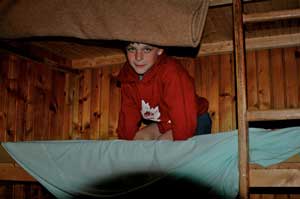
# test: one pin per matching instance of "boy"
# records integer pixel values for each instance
(156, 88)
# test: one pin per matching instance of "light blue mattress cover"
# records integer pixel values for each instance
(68, 168)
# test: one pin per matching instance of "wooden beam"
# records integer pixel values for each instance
(10, 172)
(280, 114)
(219, 2)
(271, 16)
(240, 72)
(62, 56)
(222, 2)
(99, 61)
(275, 41)
(7, 48)
(215, 48)
(274, 178)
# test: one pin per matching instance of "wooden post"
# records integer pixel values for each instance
(239, 50)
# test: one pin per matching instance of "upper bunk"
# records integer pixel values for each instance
(217, 37)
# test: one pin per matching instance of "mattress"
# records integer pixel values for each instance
(207, 160)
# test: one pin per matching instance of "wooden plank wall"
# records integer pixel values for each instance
(39, 103)
(30, 109)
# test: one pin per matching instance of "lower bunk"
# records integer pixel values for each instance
(91, 168)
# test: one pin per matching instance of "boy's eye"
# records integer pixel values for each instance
(147, 49)
(130, 49)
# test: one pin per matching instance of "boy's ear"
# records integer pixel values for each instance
(160, 51)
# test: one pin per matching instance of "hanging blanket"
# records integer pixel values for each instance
(110, 168)
(163, 22)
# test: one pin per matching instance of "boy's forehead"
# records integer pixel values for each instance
(138, 44)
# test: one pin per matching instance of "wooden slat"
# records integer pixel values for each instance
(213, 93)
(18, 191)
(271, 16)
(57, 106)
(76, 124)
(291, 78)
(21, 102)
(202, 76)
(12, 98)
(21, 98)
(222, 2)
(29, 108)
(79, 125)
(10, 172)
(219, 2)
(226, 102)
(275, 41)
(274, 177)
(264, 81)
(115, 102)
(67, 106)
(95, 103)
(279, 114)
(3, 96)
(234, 100)
(277, 78)
(42, 94)
(86, 103)
(104, 104)
(252, 87)
(71, 106)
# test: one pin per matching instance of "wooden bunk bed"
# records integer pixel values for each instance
(283, 174)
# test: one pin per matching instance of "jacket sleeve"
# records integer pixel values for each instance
(180, 99)
(129, 116)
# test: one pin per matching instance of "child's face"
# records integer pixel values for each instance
(142, 57)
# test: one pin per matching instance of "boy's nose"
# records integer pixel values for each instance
(139, 55)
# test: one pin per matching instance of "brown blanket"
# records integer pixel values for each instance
(160, 22)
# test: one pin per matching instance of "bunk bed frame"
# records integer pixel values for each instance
(283, 174)
(280, 175)
(10, 170)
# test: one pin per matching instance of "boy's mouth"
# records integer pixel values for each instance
(139, 65)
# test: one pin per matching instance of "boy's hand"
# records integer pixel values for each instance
(166, 136)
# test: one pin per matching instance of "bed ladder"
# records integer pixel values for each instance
(244, 115)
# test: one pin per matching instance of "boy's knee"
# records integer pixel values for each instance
(204, 124)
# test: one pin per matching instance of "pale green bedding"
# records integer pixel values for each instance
(69, 168)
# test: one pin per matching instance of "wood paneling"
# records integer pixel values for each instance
(70, 106)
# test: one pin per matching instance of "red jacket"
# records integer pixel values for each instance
(166, 95)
